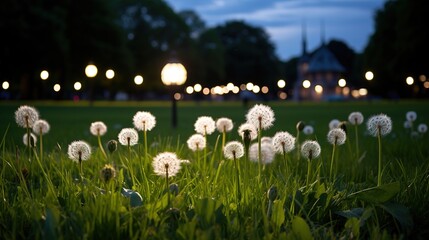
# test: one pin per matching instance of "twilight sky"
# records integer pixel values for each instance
(350, 21)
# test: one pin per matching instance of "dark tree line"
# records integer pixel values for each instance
(132, 37)
(399, 48)
(140, 36)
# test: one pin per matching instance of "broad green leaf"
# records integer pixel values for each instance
(300, 229)
(278, 216)
(353, 224)
(400, 213)
(378, 194)
(320, 190)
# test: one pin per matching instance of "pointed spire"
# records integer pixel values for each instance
(304, 38)
(322, 32)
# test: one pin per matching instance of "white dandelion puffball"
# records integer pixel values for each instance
(144, 121)
(267, 153)
(41, 127)
(411, 116)
(128, 136)
(248, 128)
(26, 116)
(260, 116)
(205, 125)
(379, 123)
(224, 125)
(283, 142)
(337, 136)
(334, 123)
(79, 151)
(233, 150)
(98, 128)
(166, 162)
(310, 149)
(196, 142)
(356, 118)
(33, 140)
(422, 128)
(407, 124)
(308, 130)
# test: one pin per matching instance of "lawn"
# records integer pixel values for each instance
(48, 196)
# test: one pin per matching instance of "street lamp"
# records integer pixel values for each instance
(91, 71)
(173, 74)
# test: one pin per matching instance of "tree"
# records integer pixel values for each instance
(397, 47)
(249, 54)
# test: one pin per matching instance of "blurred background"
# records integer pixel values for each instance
(117, 49)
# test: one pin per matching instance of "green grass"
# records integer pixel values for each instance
(46, 199)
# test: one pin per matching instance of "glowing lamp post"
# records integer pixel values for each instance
(90, 72)
(173, 74)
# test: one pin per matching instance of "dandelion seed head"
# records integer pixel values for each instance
(379, 123)
(107, 173)
(41, 127)
(224, 125)
(411, 116)
(267, 153)
(407, 124)
(422, 128)
(144, 121)
(26, 116)
(233, 149)
(33, 139)
(337, 136)
(196, 142)
(128, 136)
(308, 130)
(98, 128)
(260, 115)
(205, 125)
(310, 149)
(356, 118)
(79, 150)
(334, 123)
(283, 142)
(166, 162)
(247, 129)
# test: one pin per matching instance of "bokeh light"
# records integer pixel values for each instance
(281, 83)
(44, 75)
(138, 80)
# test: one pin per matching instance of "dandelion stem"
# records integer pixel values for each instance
(238, 180)
(167, 187)
(41, 145)
(332, 161)
(308, 171)
(145, 145)
(100, 145)
(379, 157)
(357, 140)
(259, 147)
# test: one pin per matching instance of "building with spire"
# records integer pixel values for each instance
(317, 73)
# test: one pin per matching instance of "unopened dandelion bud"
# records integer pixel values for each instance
(107, 173)
(112, 145)
(300, 126)
(174, 189)
(272, 193)
(343, 125)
